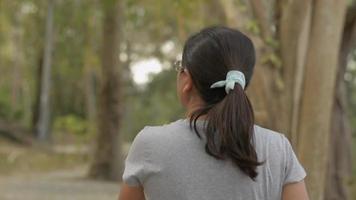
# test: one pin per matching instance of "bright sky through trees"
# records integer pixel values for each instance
(142, 69)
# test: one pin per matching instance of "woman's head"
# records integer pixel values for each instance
(211, 53)
(207, 58)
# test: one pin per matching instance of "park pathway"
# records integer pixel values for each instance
(68, 184)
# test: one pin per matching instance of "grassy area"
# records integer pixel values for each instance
(19, 159)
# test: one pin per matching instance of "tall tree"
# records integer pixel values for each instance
(44, 108)
(339, 165)
(318, 92)
(91, 66)
(107, 162)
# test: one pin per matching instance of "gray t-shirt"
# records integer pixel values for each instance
(170, 162)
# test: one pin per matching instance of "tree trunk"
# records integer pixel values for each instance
(293, 32)
(91, 71)
(339, 165)
(44, 108)
(91, 94)
(318, 92)
(108, 160)
(37, 100)
(17, 63)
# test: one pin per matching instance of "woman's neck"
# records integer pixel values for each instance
(192, 108)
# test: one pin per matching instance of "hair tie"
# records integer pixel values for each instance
(232, 77)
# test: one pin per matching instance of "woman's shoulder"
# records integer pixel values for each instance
(159, 131)
(266, 132)
(161, 134)
(269, 138)
(276, 150)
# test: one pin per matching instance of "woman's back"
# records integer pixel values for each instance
(171, 162)
(235, 159)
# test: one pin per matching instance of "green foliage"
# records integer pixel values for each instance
(71, 124)
(252, 26)
(273, 59)
(272, 42)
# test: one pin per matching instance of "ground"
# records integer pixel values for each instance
(68, 184)
(26, 173)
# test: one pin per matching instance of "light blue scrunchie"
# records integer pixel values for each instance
(232, 77)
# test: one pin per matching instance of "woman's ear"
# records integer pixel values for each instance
(184, 87)
(187, 82)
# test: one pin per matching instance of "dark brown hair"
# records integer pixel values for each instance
(208, 56)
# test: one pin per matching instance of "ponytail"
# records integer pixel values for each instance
(230, 131)
(209, 56)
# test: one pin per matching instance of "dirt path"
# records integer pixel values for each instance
(59, 185)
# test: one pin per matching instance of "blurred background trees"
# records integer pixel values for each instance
(107, 159)
(77, 72)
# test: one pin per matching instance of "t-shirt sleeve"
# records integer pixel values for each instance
(293, 170)
(135, 163)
